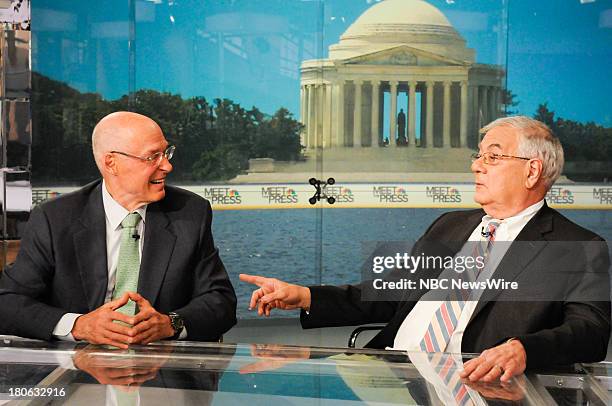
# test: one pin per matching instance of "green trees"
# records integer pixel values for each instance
(214, 140)
(587, 147)
(581, 142)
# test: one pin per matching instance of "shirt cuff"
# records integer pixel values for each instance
(63, 328)
(183, 334)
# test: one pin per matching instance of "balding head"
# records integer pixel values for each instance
(123, 145)
(116, 131)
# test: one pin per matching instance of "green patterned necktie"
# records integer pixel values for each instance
(128, 265)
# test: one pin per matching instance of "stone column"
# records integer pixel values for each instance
(484, 103)
(302, 113)
(393, 113)
(429, 139)
(375, 114)
(311, 117)
(357, 114)
(305, 117)
(498, 97)
(475, 114)
(327, 130)
(491, 103)
(446, 129)
(412, 113)
(463, 129)
(320, 114)
(339, 136)
(302, 93)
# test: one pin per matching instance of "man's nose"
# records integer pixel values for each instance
(165, 164)
(478, 165)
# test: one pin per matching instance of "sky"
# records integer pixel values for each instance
(555, 51)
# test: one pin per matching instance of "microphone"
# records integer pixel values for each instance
(136, 236)
(484, 233)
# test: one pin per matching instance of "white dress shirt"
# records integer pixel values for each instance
(114, 214)
(414, 326)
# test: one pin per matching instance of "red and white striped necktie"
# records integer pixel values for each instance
(446, 317)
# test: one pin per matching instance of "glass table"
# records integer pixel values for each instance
(38, 372)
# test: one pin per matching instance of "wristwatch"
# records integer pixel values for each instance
(177, 323)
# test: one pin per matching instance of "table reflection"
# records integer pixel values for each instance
(211, 373)
(377, 378)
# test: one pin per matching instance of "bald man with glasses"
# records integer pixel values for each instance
(563, 313)
(123, 260)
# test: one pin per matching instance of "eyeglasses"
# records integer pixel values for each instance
(154, 159)
(490, 158)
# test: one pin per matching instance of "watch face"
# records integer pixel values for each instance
(177, 321)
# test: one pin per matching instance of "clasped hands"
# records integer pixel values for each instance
(124, 372)
(100, 326)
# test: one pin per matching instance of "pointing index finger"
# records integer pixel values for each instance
(252, 279)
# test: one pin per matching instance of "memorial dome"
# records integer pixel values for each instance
(392, 23)
(396, 16)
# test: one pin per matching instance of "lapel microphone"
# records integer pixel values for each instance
(484, 233)
(136, 236)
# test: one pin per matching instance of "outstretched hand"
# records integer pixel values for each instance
(274, 293)
(273, 356)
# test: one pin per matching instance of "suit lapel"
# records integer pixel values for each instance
(90, 247)
(158, 246)
(519, 256)
(463, 229)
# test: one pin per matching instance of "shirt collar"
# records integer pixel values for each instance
(527, 213)
(115, 213)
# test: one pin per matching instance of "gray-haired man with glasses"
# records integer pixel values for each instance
(518, 161)
(123, 260)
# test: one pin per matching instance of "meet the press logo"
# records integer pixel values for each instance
(279, 194)
(390, 194)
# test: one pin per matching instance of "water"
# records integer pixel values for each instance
(285, 243)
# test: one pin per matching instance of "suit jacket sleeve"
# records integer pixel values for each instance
(212, 308)
(583, 334)
(24, 286)
(333, 306)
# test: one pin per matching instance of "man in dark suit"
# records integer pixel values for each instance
(126, 260)
(563, 312)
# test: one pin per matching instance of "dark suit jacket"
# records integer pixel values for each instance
(62, 265)
(560, 331)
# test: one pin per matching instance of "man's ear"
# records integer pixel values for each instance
(110, 164)
(534, 173)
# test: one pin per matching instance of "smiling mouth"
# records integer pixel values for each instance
(158, 181)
